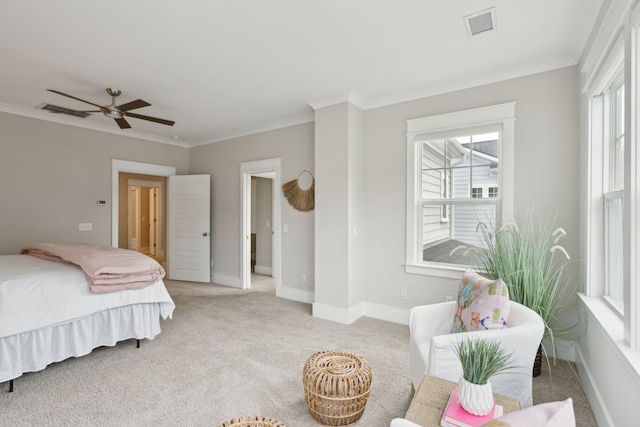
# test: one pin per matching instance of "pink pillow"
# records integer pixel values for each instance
(482, 304)
(551, 414)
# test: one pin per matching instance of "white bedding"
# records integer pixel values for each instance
(48, 314)
(36, 293)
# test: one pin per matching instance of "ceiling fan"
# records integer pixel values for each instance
(119, 112)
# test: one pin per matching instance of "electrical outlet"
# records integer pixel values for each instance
(303, 278)
(403, 294)
(85, 226)
(448, 298)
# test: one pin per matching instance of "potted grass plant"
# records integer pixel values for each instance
(529, 258)
(480, 360)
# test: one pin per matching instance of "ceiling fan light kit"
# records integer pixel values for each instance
(113, 111)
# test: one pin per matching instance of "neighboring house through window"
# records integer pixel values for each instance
(456, 164)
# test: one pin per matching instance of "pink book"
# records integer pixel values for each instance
(456, 415)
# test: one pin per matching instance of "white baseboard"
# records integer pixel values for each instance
(338, 314)
(599, 408)
(300, 295)
(266, 271)
(349, 315)
(387, 313)
(226, 280)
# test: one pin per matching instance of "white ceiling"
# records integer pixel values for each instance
(221, 69)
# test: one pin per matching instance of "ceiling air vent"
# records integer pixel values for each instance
(480, 22)
(62, 110)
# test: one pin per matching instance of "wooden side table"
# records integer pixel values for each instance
(430, 400)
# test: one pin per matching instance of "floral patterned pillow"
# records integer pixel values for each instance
(482, 304)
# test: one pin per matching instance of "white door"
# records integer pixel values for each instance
(134, 218)
(189, 217)
(152, 221)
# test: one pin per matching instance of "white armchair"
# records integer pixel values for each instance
(432, 347)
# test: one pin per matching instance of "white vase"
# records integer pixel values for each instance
(476, 399)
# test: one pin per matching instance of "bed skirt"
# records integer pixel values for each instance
(32, 351)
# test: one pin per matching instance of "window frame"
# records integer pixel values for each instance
(499, 115)
(444, 185)
(623, 56)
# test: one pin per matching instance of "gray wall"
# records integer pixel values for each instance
(264, 225)
(294, 146)
(51, 176)
(546, 173)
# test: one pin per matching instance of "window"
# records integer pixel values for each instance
(612, 270)
(444, 183)
(614, 195)
(456, 163)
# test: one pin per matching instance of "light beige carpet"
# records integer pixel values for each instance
(226, 353)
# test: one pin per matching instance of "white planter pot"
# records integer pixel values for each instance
(475, 398)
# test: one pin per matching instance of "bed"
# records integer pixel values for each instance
(49, 312)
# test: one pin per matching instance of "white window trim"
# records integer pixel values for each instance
(625, 52)
(444, 185)
(631, 188)
(502, 115)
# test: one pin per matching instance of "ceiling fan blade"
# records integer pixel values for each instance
(73, 97)
(123, 123)
(138, 103)
(151, 119)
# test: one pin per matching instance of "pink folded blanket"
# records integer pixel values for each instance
(107, 269)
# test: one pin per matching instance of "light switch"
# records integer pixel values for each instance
(285, 228)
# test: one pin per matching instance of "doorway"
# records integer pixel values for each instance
(262, 233)
(120, 216)
(261, 181)
(142, 210)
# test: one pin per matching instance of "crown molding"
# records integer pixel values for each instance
(604, 38)
(352, 97)
(265, 127)
(445, 86)
(490, 76)
(77, 122)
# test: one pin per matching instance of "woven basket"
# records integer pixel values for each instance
(336, 387)
(537, 363)
(252, 422)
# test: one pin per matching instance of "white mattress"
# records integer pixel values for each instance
(48, 314)
(35, 292)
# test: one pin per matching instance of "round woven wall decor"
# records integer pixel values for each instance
(299, 198)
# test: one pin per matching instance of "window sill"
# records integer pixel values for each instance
(611, 326)
(447, 271)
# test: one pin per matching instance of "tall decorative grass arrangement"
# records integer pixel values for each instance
(481, 359)
(530, 260)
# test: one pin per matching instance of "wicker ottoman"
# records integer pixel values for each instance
(252, 422)
(336, 387)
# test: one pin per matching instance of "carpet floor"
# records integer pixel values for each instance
(228, 353)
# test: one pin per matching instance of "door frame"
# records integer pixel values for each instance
(118, 166)
(247, 170)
